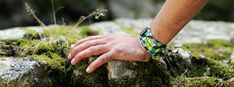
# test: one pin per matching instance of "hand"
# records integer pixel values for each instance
(112, 47)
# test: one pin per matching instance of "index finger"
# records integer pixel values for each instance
(99, 61)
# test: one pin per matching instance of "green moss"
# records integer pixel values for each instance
(57, 31)
(68, 33)
(202, 82)
(130, 31)
(51, 51)
(31, 34)
(81, 78)
(148, 74)
(51, 59)
(86, 31)
(10, 47)
(219, 43)
(206, 60)
(214, 49)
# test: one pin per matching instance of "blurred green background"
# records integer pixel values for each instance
(13, 13)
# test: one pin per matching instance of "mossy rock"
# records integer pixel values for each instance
(51, 48)
(140, 74)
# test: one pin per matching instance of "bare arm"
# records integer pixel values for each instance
(173, 16)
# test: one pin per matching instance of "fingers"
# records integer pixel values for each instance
(88, 38)
(100, 61)
(83, 46)
(94, 50)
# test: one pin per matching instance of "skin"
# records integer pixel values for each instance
(173, 16)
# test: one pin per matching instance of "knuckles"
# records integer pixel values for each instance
(88, 43)
(95, 48)
(104, 59)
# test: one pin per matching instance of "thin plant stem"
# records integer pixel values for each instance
(32, 12)
(54, 13)
(97, 14)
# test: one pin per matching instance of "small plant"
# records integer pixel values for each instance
(32, 12)
(97, 14)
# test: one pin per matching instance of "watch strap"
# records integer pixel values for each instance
(151, 45)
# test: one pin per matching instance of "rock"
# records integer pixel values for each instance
(232, 57)
(8, 33)
(107, 28)
(231, 80)
(195, 31)
(123, 8)
(137, 74)
(205, 31)
(23, 72)
(41, 55)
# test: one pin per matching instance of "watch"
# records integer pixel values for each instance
(151, 45)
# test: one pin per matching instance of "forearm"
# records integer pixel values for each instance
(173, 16)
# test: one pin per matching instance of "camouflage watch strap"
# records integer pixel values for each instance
(152, 46)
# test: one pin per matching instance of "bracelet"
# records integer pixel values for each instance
(151, 45)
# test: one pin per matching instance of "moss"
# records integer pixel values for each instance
(148, 74)
(206, 60)
(52, 49)
(31, 34)
(52, 60)
(130, 31)
(10, 47)
(214, 49)
(57, 31)
(219, 43)
(83, 79)
(202, 82)
(86, 31)
(2, 84)
(68, 33)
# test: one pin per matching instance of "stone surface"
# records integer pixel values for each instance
(22, 72)
(194, 31)
(134, 9)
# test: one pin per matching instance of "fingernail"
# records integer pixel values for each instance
(88, 70)
(73, 62)
(72, 45)
(69, 56)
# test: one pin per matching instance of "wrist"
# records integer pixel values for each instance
(147, 56)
